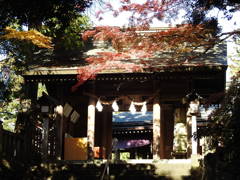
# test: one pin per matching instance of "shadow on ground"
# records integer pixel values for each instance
(82, 171)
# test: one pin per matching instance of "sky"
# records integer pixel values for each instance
(122, 19)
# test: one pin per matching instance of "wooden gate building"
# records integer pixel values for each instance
(74, 128)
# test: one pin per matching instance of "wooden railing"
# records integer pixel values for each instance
(11, 145)
(28, 145)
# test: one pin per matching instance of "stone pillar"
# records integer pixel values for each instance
(91, 127)
(156, 129)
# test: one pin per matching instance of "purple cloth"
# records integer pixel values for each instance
(125, 144)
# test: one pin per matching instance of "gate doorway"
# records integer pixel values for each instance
(133, 133)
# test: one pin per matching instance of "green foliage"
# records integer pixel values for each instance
(33, 13)
(235, 58)
(8, 115)
(224, 132)
(198, 9)
(22, 53)
(10, 104)
(68, 43)
(225, 121)
(59, 20)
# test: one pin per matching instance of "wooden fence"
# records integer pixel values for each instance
(27, 146)
(12, 146)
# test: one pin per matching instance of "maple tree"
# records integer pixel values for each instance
(134, 42)
(139, 42)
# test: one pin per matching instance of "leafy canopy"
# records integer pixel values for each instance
(33, 13)
(32, 35)
(37, 32)
(194, 35)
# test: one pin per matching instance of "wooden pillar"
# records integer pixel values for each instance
(189, 132)
(104, 132)
(156, 129)
(108, 130)
(91, 127)
(192, 113)
(1, 139)
(45, 138)
(30, 131)
(59, 138)
(194, 131)
(167, 131)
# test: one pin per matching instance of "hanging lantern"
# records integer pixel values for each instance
(99, 106)
(144, 108)
(132, 108)
(115, 106)
(44, 104)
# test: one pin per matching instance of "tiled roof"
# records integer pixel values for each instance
(214, 58)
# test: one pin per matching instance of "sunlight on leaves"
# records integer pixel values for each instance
(32, 35)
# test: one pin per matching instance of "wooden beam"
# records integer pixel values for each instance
(90, 95)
